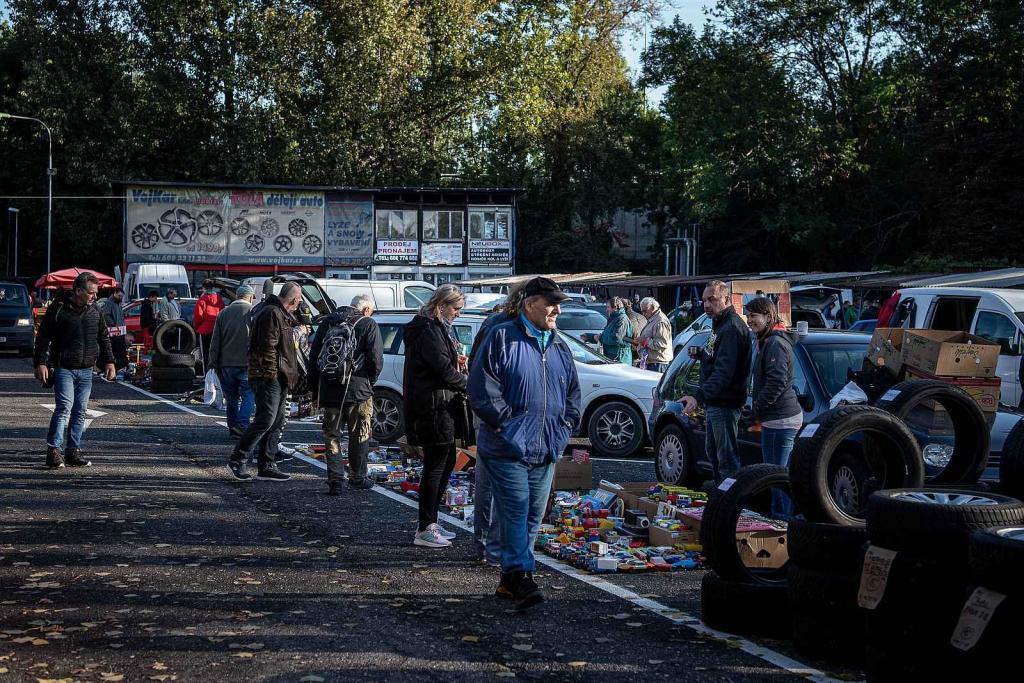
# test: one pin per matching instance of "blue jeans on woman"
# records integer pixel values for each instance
(776, 445)
(520, 494)
(71, 389)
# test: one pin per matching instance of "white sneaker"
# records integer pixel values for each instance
(449, 535)
(431, 538)
(285, 450)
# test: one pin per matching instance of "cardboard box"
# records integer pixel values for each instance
(659, 536)
(650, 507)
(985, 391)
(573, 476)
(886, 349)
(952, 354)
(629, 492)
(777, 290)
(763, 549)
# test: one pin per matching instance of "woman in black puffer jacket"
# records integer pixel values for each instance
(434, 386)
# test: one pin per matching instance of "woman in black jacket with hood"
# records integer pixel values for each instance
(434, 386)
(775, 405)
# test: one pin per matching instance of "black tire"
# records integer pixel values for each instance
(970, 429)
(616, 429)
(165, 386)
(388, 417)
(827, 624)
(165, 338)
(995, 652)
(173, 360)
(1011, 463)
(673, 459)
(891, 457)
(744, 608)
(172, 374)
(826, 547)
(936, 522)
(997, 558)
(718, 526)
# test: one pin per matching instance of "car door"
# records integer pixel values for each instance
(998, 328)
(391, 335)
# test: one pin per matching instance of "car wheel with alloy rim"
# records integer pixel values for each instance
(616, 429)
(672, 461)
(388, 420)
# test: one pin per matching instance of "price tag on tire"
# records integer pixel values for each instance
(875, 576)
(975, 617)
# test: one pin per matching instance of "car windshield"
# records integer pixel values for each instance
(161, 288)
(580, 353)
(833, 361)
(13, 295)
(580, 319)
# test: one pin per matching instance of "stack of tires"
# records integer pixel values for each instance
(1011, 466)
(734, 597)
(915, 575)
(839, 459)
(172, 370)
(988, 633)
(824, 578)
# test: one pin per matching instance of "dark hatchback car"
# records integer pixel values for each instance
(16, 325)
(824, 361)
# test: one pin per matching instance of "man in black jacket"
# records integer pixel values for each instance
(351, 404)
(273, 369)
(72, 340)
(724, 373)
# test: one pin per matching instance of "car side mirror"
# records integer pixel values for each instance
(806, 402)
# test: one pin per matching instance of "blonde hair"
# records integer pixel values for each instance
(515, 299)
(445, 295)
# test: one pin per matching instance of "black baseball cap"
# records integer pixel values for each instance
(546, 288)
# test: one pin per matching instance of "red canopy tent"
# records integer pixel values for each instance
(65, 278)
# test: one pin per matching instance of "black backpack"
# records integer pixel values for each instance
(337, 359)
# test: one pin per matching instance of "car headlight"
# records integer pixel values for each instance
(937, 455)
(24, 322)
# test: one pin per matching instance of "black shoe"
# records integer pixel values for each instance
(74, 459)
(271, 473)
(238, 470)
(527, 592)
(508, 586)
(236, 432)
(361, 484)
(332, 488)
(54, 459)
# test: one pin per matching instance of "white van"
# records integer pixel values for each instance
(995, 314)
(142, 278)
(387, 294)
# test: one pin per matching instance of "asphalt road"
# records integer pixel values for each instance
(154, 565)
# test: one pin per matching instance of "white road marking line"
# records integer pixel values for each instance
(89, 413)
(676, 616)
(164, 400)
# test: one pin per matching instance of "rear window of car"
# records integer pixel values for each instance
(580, 319)
(833, 361)
(417, 296)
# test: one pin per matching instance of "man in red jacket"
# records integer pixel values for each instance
(204, 317)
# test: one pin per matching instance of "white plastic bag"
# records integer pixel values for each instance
(212, 392)
(851, 394)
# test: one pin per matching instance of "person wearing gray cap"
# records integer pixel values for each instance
(229, 356)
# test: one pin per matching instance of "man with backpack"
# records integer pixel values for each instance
(347, 356)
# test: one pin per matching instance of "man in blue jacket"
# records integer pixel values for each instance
(523, 387)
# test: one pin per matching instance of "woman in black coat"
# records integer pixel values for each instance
(434, 386)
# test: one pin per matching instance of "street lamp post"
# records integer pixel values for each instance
(49, 178)
(14, 212)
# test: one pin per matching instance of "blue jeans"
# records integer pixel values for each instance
(720, 441)
(71, 389)
(776, 445)
(520, 495)
(486, 533)
(241, 401)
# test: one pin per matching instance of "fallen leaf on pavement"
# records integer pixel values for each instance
(159, 666)
(525, 647)
(110, 676)
(40, 641)
(577, 664)
(243, 655)
(621, 615)
(470, 639)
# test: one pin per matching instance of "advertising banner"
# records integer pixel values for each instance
(349, 233)
(397, 251)
(260, 227)
(490, 251)
(442, 254)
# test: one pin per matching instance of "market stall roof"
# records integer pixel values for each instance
(888, 282)
(66, 277)
(1001, 278)
(832, 279)
(685, 280)
(560, 278)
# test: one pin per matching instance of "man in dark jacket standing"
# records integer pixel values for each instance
(273, 369)
(351, 404)
(72, 340)
(523, 386)
(229, 357)
(147, 317)
(724, 372)
(113, 317)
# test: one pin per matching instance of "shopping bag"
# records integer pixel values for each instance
(211, 388)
